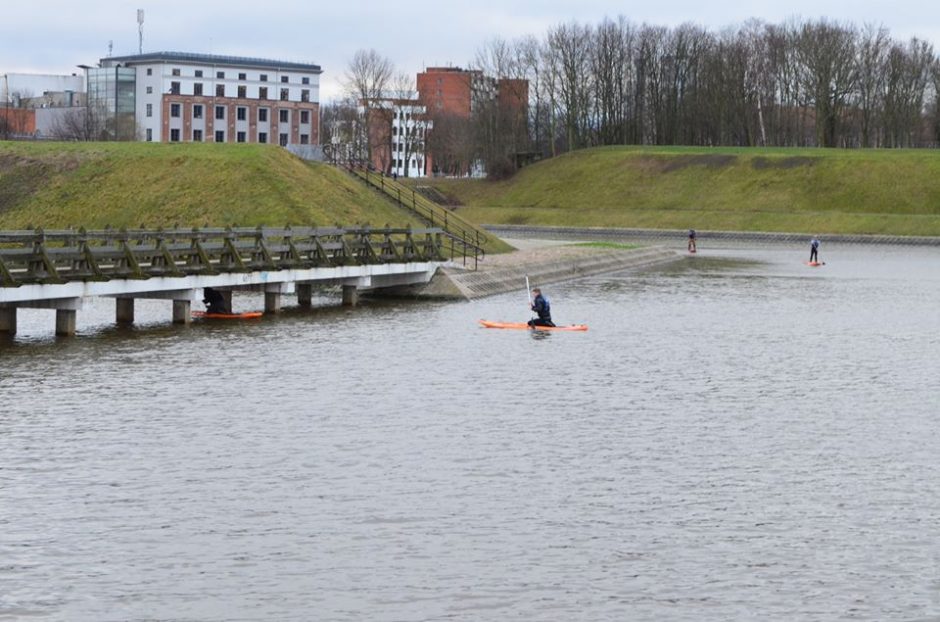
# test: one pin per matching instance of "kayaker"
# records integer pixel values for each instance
(814, 251)
(691, 240)
(542, 308)
(214, 301)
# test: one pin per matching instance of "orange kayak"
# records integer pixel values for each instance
(523, 325)
(249, 315)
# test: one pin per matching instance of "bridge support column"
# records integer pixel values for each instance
(350, 296)
(65, 321)
(124, 310)
(182, 311)
(304, 295)
(8, 320)
(272, 302)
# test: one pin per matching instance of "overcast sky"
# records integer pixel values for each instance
(53, 36)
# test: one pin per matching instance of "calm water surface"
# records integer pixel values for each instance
(737, 437)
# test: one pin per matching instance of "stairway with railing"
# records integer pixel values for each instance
(465, 240)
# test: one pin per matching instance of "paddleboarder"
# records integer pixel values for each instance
(214, 301)
(691, 240)
(814, 251)
(542, 308)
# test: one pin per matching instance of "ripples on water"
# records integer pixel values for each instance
(730, 440)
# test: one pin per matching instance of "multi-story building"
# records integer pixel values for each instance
(452, 95)
(182, 97)
(398, 128)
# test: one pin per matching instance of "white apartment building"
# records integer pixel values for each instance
(183, 97)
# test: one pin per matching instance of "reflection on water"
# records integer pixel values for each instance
(736, 437)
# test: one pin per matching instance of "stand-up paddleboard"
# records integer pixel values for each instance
(691, 251)
(248, 315)
(525, 326)
(815, 264)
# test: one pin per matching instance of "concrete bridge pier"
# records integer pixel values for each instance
(182, 311)
(273, 293)
(66, 313)
(304, 295)
(8, 320)
(350, 296)
(124, 310)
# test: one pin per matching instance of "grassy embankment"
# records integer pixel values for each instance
(794, 190)
(92, 185)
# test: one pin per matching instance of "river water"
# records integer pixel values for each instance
(737, 437)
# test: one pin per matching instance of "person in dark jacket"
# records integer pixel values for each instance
(814, 250)
(542, 308)
(214, 301)
(691, 240)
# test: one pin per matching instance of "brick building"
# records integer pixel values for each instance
(182, 97)
(458, 93)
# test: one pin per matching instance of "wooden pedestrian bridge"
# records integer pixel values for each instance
(48, 269)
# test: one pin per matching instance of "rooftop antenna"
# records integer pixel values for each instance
(140, 31)
(110, 47)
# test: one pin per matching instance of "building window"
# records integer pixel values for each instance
(175, 72)
(149, 71)
(174, 88)
(243, 91)
(305, 117)
(149, 110)
(197, 111)
(240, 137)
(263, 115)
(220, 136)
(197, 88)
(285, 79)
(220, 75)
(305, 95)
(304, 139)
(220, 112)
(174, 110)
(149, 90)
(305, 80)
(395, 131)
(285, 93)
(197, 136)
(199, 73)
(284, 115)
(262, 137)
(283, 140)
(263, 92)
(149, 135)
(241, 113)
(174, 136)
(220, 90)
(242, 76)
(263, 77)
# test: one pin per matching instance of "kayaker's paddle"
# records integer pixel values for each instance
(528, 296)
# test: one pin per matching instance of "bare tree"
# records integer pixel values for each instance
(368, 78)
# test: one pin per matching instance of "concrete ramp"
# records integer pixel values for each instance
(504, 273)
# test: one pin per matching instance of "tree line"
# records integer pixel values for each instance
(799, 83)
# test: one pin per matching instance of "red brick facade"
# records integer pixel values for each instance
(232, 105)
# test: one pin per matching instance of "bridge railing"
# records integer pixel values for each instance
(466, 239)
(59, 256)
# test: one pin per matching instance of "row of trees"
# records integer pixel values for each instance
(800, 83)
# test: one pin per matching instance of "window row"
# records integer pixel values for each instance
(241, 113)
(242, 92)
(220, 75)
(240, 137)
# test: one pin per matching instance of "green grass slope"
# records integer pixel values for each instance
(799, 190)
(56, 185)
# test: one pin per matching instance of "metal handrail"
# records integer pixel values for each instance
(457, 229)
